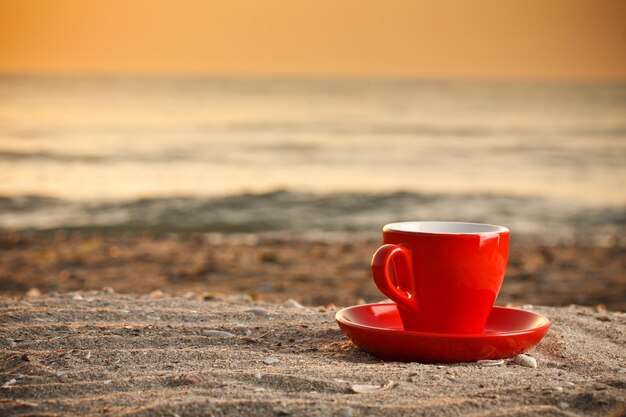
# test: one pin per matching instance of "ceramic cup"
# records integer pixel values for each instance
(443, 276)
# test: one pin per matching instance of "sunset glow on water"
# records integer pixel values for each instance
(121, 138)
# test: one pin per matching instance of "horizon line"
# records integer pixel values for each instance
(310, 76)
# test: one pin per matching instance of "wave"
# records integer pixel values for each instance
(42, 155)
(166, 156)
(419, 129)
(301, 214)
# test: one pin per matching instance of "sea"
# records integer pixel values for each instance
(311, 157)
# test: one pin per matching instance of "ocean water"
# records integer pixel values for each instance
(282, 155)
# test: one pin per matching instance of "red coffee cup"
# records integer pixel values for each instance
(443, 276)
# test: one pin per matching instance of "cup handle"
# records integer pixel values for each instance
(400, 292)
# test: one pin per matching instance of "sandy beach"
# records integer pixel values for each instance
(99, 353)
(217, 329)
(312, 272)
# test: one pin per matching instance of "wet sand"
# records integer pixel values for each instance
(99, 353)
(311, 272)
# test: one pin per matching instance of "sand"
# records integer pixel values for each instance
(312, 272)
(100, 353)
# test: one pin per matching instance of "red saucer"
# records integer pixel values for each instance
(377, 329)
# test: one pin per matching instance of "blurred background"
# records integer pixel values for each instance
(259, 147)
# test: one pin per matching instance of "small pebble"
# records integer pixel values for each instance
(365, 389)
(33, 293)
(487, 362)
(77, 297)
(156, 294)
(527, 306)
(361, 389)
(108, 290)
(61, 373)
(293, 303)
(107, 382)
(218, 334)
(257, 375)
(525, 360)
(270, 361)
(563, 404)
(257, 312)
(9, 383)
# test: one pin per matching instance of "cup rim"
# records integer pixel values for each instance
(445, 228)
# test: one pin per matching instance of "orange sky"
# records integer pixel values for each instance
(432, 38)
